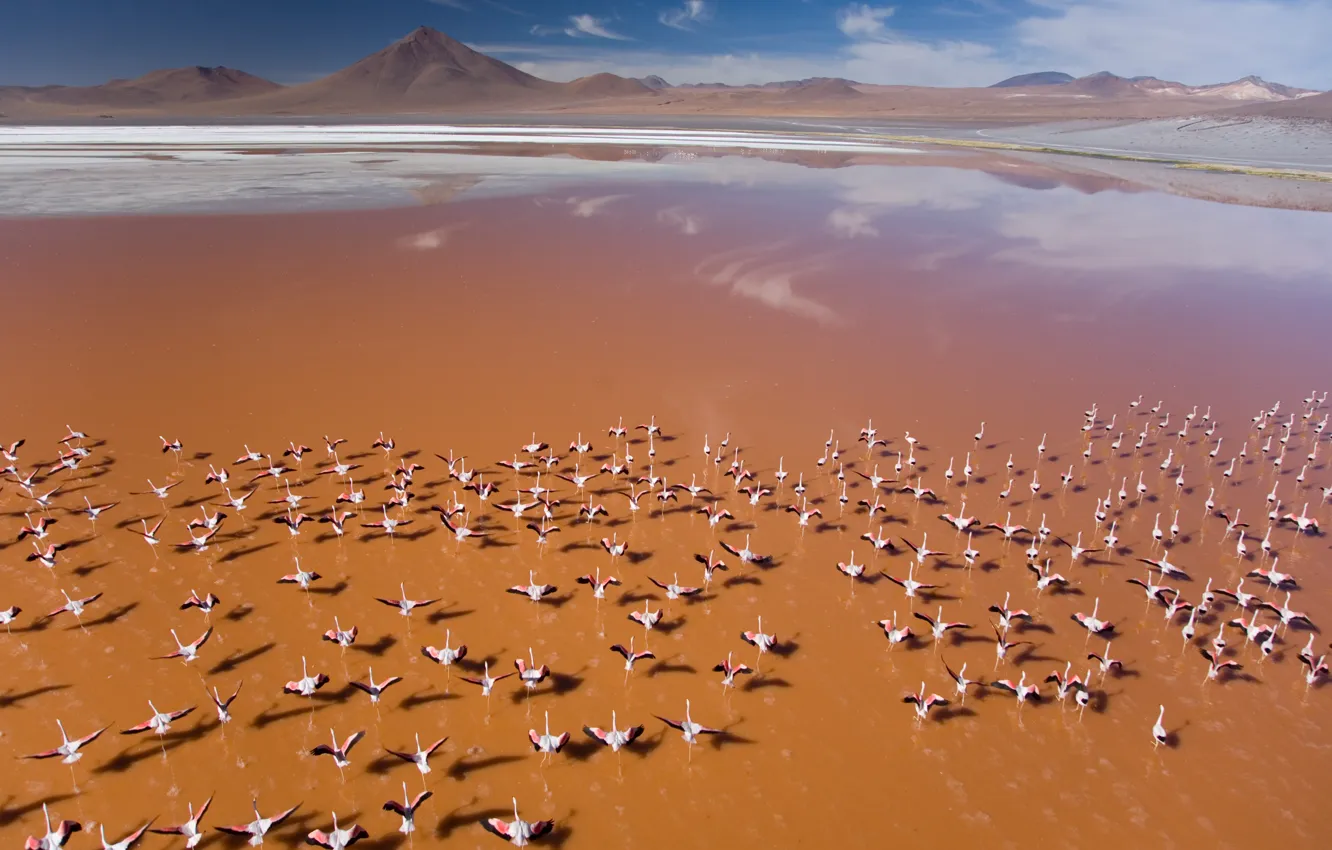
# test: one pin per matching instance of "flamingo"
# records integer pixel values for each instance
(260, 826)
(547, 744)
(518, 832)
(688, 728)
(421, 758)
(190, 829)
(52, 839)
(407, 808)
(924, 702)
(339, 839)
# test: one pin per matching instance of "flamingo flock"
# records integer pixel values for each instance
(488, 508)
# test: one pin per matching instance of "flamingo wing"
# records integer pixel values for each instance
(498, 827)
(595, 732)
(142, 727)
(541, 827)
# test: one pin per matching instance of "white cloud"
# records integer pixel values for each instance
(751, 273)
(429, 240)
(850, 222)
(676, 217)
(683, 18)
(589, 25)
(588, 207)
(1193, 41)
(452, 4)
(861, 20)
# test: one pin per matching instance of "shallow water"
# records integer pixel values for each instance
(764, 299)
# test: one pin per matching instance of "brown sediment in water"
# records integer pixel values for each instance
(520, 317)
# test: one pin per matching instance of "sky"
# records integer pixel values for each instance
(908, 42)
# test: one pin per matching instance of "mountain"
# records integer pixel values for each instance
(428, 72)
(1106, 84)
(167, 87)
(836, 83)
(424, 68)
(606, 85)
(1040, 78)
(821, 89)
(1255, 88)
(198, 83)
(1313, 106)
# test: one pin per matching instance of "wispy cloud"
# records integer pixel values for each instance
(580, 25)
(676, 217)
(506, 8)
(861, 20)
(452, 4)
(850, 222)
(588, 207)
(753, 272)
(684, 17)
(430, 239)
(1193, 41)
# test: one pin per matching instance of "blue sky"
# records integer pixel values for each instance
(916, 42)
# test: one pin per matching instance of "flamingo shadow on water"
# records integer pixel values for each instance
(423, 698)
(236, 659)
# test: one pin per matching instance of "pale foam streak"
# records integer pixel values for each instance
(135, 140)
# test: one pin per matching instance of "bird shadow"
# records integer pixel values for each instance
(9, 698)
(435, 617)
(420, 698)
(665, 666)
(725, 738)
(383, 764)
(949, 713)
(115, 615)
(267, 718)
(1029, 654)
(338, 697)
(666, 628)
(644, 747)
(236, 659)
(239, 613)
(581, 750)
(557, 602)
(630, 597)
(378, 648)
(565, 683)
(10, 815)
(135, 754)
(735, 581)
(478, 665)
(237, 554)
(785, 649)
(88, 569)
(455, 820)
(332, 590)
(465, 766)
(637, 558)
(760, 681)
(298, 826)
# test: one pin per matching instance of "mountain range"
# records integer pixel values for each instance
(427, 71)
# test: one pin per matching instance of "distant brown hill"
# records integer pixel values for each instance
(821, 90)
(171, 87)
(606, 85)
